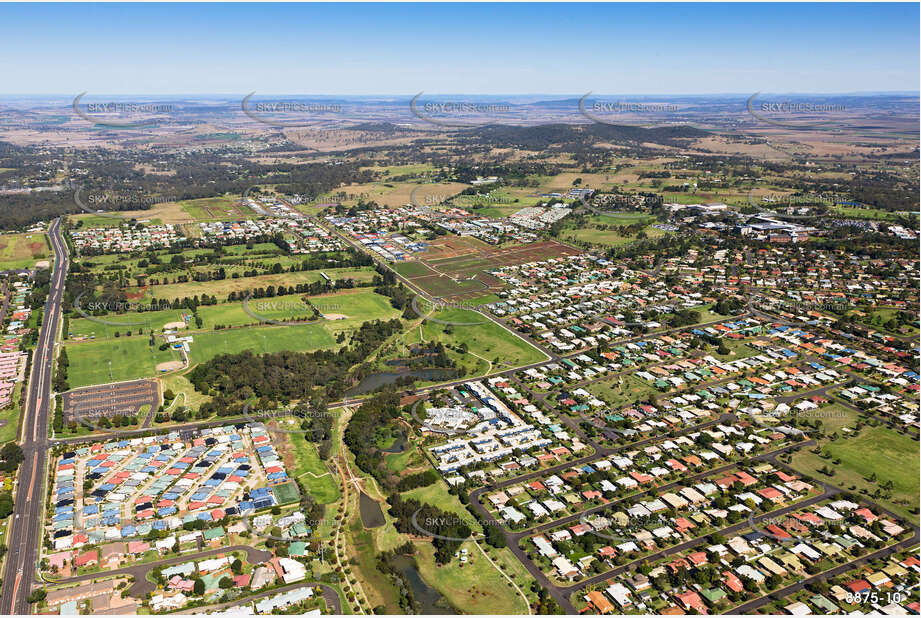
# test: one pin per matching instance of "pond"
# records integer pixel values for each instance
(428, 599)
(371, 514)
(399, 444)
(377, 380)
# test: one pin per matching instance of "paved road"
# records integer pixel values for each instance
(751, 606)
(141, 586)
(25, 532)
(561, 594)
(329, 595)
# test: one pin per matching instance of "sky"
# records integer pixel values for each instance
(352, 49)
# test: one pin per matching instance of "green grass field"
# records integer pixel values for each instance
(311, 471)
(243, 284)
(621, 391)
(889, 455)
(358, 304)
(132, 357)
(437, 494)
(286, 493)
(10, 415)
(483, 338)
(214, 208)
(22, 250)
(412, 269)
(857, 212)
(476, 587)
(114, 360)
(603, 230)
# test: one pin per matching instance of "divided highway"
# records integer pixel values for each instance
(26, 525)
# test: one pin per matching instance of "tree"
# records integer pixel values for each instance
(226, 583)
(199, 588)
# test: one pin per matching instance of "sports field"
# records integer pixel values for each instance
(114, 360)
(223, 288)
(344, 310)
(132, 357)
(22, 250)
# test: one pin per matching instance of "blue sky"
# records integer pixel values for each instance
(449, 48)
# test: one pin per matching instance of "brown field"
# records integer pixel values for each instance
(460, 269)
(394, 195)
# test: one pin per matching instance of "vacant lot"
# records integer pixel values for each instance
(22, 250)
(457, 267)
(217, 209)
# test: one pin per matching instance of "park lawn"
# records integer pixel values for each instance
(114, 360)
(190, 397)
(614, 217)
(132, 321)
(437, 494)
(858, 212)
(476, 587)
(738, 349)
(19, 251)
(261, 340)
(91, 221)
(397, 462)
(222, 288)
(707, 314)
(878, 317)
(877, 450)
(608, 238)
(622, 390)
(310, 470)
(358, 304)
(834, 418)
(363, 549)
(483, 338)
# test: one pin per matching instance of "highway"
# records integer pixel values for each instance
(25, 533)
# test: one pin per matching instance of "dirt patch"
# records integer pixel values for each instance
(171, 325)
(170, 366)
(334, 316)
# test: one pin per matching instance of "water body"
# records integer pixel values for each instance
(371, 514)
(428, 599)
(377, 380)
(399, 445)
